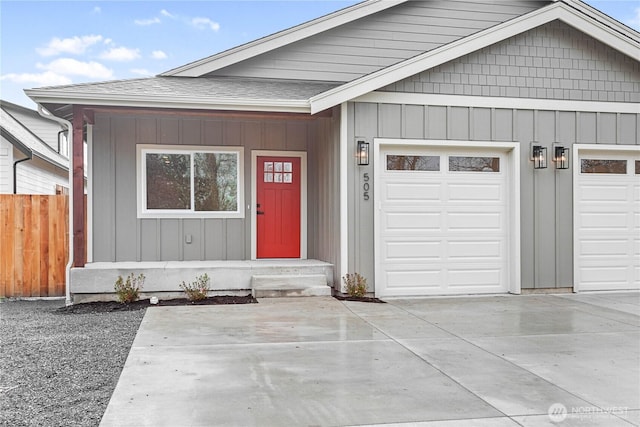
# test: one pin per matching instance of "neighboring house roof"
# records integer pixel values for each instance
(25, 139)
(173, 90)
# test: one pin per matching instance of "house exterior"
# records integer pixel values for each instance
(435, 147)
(33, 153)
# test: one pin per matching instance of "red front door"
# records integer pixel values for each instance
(278, 207)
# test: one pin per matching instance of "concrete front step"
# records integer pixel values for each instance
(280, 285)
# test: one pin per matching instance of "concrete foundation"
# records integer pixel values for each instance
(95, 281)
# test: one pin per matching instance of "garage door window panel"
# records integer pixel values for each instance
(413, 163)
(618, 167)
(474, 164)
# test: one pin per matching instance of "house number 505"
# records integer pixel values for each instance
(365, 186)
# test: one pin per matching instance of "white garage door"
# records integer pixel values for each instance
(607, 204)
(442, 222)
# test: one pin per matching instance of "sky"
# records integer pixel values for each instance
(50, 43)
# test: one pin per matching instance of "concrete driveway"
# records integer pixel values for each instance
(535, 360)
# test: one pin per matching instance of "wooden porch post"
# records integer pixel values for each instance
(79, 250)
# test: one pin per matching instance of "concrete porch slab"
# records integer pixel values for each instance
(95, 281)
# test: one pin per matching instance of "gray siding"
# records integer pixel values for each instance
(118, 235)
(379, 40)
(546, 195)
(554, 61)
(324, 193)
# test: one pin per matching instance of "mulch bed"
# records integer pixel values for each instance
(361, 299)
(111, 306)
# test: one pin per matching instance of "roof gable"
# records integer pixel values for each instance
(373, 41)
(378, 40)
(552, 61)
(312, 96)
(606, 31)
(282, 38)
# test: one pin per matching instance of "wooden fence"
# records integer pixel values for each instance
(34, 243)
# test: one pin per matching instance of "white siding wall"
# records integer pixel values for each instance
(6, 160)
(38, 177)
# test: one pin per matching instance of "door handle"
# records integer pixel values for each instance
(259, 213)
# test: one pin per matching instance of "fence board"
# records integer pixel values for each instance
(18, 285)
(33, 245)
(44, 247)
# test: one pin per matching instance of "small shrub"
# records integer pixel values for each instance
(128, 290)
(198, 290)
(356, 284)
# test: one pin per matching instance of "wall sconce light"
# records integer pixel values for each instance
(539, 156)
(561, 156)
(363, 153)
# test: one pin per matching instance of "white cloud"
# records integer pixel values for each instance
(164, 12)
(96, 10)
(73, 67)
(74, 45)
(141, 72)
(202, 24)
(108, 41)
(48, 78)
(121, 54)
(158, 54)
(145, 22)
(635, 20)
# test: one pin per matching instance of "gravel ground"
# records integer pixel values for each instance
(57, 368)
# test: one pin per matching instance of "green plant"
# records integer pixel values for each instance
(356, 284)
(198, 290)
(128, 290)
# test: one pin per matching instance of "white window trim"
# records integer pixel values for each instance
(511, 168)
(143, 212)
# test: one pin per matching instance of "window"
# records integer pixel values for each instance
(474, 164)
(603, 166)
(413, 163)
(637, 167)
(178, 182)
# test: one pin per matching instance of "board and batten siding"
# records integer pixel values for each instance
(553, 61)
(118, 235)
(546, 195)
(374, 42)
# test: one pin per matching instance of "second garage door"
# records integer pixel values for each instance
(442, 222)
(607, 228)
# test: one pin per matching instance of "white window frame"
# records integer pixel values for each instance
(141, 178)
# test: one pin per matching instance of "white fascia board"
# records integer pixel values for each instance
(499, 102)
(282, 38)
(466, 45)
(187, 103)
(604, 18)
